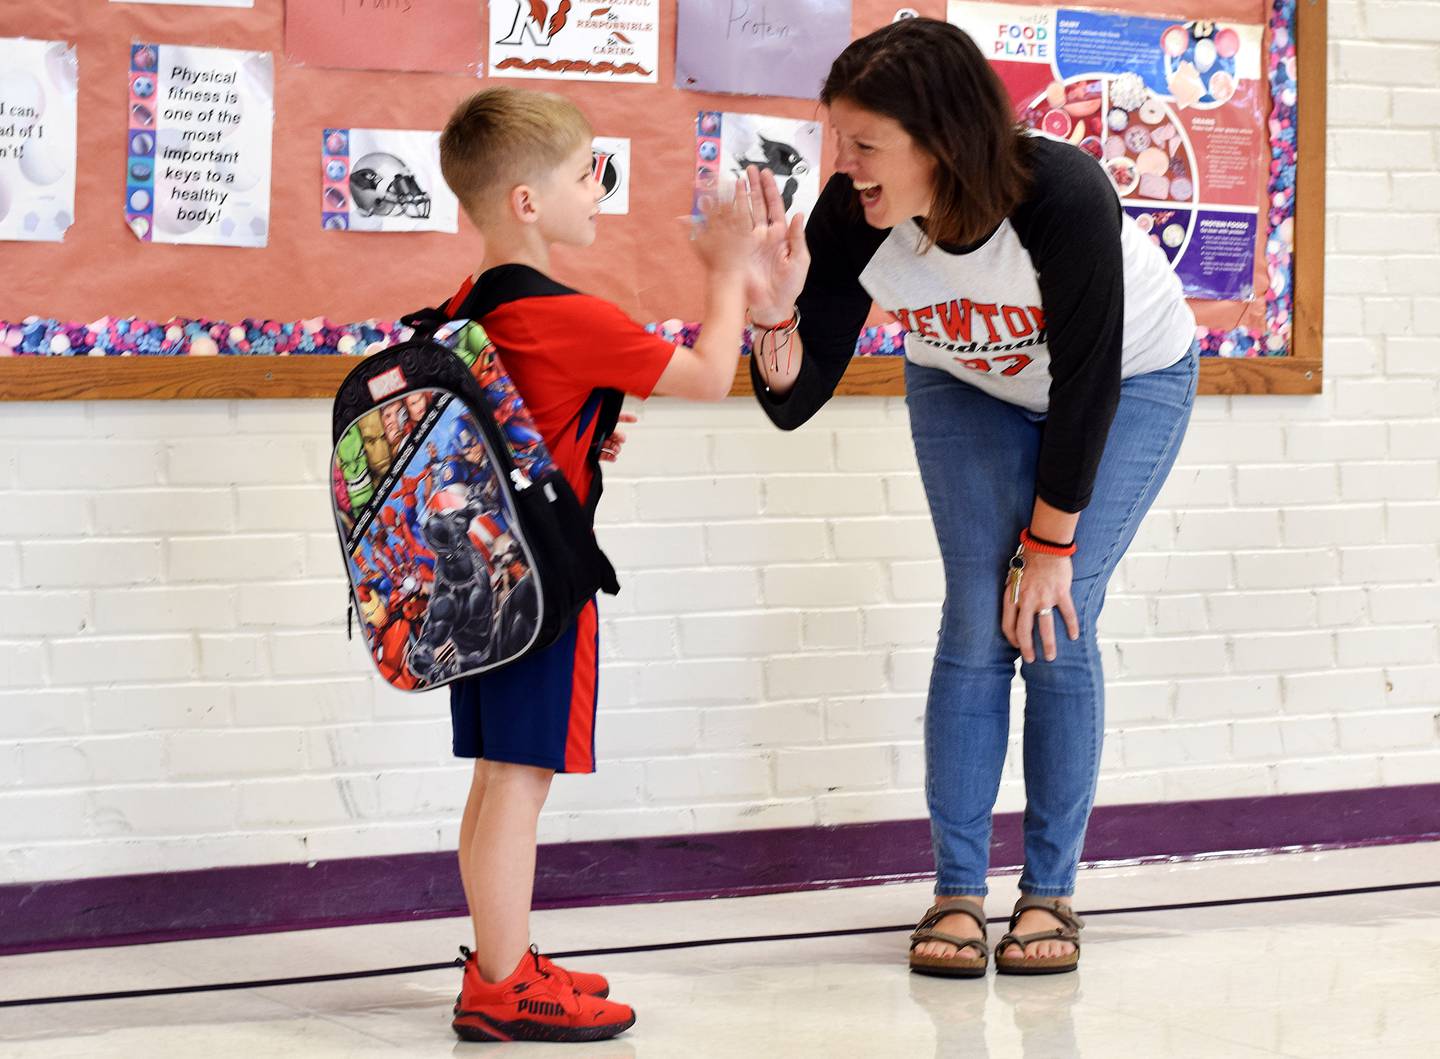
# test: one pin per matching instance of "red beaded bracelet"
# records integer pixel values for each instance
(783, 325)
(1045, 547)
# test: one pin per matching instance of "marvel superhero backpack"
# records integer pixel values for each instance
(465, 545)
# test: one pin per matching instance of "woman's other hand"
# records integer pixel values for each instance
(1044, 590)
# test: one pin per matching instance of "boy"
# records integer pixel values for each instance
(520, 163)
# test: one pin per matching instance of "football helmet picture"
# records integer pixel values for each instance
(383, 186)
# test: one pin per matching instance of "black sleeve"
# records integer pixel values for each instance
(833, 306)
(1070, 225)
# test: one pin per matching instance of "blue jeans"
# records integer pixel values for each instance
(977, 459)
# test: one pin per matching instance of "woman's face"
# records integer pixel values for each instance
(894, 177)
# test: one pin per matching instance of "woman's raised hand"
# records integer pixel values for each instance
(781, 259)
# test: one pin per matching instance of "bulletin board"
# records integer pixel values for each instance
(641, 260)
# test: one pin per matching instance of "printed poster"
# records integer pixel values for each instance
(197, 169)
(446, 36)
(759, 47)
(592, 40)
(384, 180)
(37, 139)
(1171, 109)
(611, 155)
(725, 144)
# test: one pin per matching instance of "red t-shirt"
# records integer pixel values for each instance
(560, 347)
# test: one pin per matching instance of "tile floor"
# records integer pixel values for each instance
(1351, 976)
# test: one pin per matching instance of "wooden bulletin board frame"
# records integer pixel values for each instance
(53, 378)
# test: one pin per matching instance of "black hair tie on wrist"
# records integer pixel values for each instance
(1049, 544)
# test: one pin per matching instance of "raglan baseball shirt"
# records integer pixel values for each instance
(1066, 297)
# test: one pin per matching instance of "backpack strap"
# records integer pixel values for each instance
(426, 321)
(606, 417)
(429, 320)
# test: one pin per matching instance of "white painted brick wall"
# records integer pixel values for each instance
(176, 689)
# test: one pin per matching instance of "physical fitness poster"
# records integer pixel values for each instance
(37, 139)
(384, 180)
(611, 155)
(1171, 109)
(197, 167)
(759, 47)
(726, 144)
(602, 40)
(445, 36)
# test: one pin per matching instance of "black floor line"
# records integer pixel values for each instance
(668, 946)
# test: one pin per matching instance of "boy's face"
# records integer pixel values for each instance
(569, 200)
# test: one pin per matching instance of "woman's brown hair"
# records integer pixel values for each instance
(930, 77)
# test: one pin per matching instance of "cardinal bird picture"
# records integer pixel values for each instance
(783, 160)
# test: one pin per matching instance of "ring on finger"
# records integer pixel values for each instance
(1045, 612)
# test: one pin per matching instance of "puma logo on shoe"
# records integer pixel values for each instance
(540, 1007)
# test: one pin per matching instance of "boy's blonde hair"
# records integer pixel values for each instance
(502, 137)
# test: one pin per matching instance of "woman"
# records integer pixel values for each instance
(1050, 372)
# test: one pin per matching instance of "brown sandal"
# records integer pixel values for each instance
(959, 965)
(1068, 931)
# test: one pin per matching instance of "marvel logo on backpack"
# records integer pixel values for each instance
(465, 545)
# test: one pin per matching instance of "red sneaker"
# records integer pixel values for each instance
(534, 1004)
(583, 981)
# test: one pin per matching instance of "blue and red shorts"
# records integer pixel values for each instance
(538, 711)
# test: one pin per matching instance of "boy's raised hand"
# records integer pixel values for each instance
(782, 258)
(727, 238)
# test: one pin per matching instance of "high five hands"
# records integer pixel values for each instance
(750, 231)
(781, 257)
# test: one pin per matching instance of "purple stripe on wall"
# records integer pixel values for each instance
(131, 909)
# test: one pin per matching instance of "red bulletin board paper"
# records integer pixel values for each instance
(642, 261)
(439, 35)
